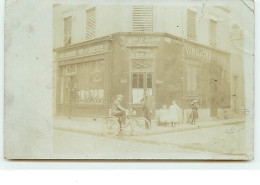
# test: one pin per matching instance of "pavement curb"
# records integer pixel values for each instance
(194, 127)
(84, 129)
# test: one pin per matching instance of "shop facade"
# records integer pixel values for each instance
(90, 74)
(82, 78)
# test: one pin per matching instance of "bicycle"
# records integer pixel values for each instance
(136, 125)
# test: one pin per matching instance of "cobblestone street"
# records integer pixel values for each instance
(216, 141)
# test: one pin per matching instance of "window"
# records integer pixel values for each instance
(213, 33)
(142, 73)
(191, 25)
(191, 81)
(140, 83)
(67, 31)
(83, 82)
(143, 18)
(90, 24)
(141, 79)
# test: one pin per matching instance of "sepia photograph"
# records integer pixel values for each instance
(137, 81)
(149, 80)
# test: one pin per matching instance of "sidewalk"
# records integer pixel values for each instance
(94, 125)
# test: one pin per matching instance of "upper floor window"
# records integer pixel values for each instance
(67, 31)
(90, 24)
(191, 25)
(213, 33)
(143, 18)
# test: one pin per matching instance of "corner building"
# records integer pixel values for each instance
(92, 67)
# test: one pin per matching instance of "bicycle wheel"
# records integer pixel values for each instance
(111, 127)
(128, 128)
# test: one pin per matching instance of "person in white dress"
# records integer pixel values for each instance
(174, 111)
(164, 116)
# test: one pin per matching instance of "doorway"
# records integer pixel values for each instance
(68, 92)
(140, 83)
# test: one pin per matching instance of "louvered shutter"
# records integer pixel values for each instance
(67, 31)
(213, 33)
(191, 25)
(90, 23)
(143, 19)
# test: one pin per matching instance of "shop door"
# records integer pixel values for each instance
(140, 83)
(69, 93)
(142, 77)
(215, 74)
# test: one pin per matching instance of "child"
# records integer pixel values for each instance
(164, 116)
(194, 111)
(173, 113)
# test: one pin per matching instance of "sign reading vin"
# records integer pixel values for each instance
(205, 53)
(130, 81)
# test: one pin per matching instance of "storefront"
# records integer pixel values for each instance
(91, 74)
(82, 82)
(207, 72)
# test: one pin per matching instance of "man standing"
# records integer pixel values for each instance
(148, 104)
(119, 111)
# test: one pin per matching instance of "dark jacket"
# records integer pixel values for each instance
(148, 102)
(116, 107)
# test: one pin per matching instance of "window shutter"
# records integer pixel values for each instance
(67, 31)
(143, 18)
(213, 33)
(90, 23)
(191, 25)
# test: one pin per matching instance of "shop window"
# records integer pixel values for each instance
(213, 33)
(90, 24)
(67, 30)
(191, 81)
(143, 18)
(86, 85)
(191, 25)
(140, 83)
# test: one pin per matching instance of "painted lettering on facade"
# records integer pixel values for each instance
(143, 39)
(81, 51)
(90, 50)
(67, 54)
(200, 53)
(142, 53)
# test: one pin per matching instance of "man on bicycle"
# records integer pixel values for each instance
(119, 111)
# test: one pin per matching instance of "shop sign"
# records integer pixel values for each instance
(143, 39)
(202, 54)
(81, 51)
(142, 53)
